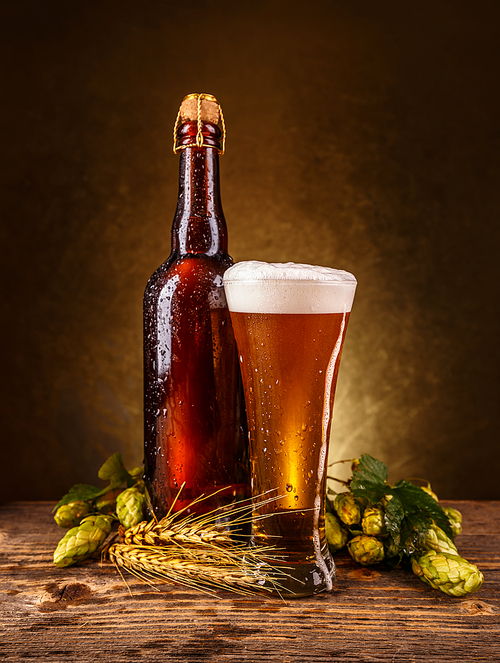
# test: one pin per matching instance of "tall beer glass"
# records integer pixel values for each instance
(289, 322)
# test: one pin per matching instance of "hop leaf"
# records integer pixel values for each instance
(369, 479)
(114, 471)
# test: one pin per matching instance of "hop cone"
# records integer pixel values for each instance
(451, 574)
(455, 518)
(80, 542)
(347, 508)
(70, 515)
(366, 550)
(437, 540)
(336, 535)
(373, 521)
(129, 507)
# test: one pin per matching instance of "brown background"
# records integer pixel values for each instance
(361, 135)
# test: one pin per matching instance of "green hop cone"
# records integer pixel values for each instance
(129, 507)
(348, 510)
(436, 539)
(336, 535)
(80, 542)
(448, 573)
(373, 521)
(366, 550)
(71, 514)
(455, 518)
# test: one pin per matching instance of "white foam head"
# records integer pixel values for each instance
(262, 287)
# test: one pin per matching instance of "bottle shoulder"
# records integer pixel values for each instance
(191, 273)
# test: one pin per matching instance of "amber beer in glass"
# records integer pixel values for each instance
(289, 322)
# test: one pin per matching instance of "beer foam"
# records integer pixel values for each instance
(261, 287)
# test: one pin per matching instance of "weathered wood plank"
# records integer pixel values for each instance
(372, 615)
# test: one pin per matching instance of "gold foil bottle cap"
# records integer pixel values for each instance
(200, 108)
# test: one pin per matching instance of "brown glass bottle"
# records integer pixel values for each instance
(195, 428)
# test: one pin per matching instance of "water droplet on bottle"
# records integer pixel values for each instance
(289, 487)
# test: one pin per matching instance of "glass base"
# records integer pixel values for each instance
(301, 580)
(293, 575)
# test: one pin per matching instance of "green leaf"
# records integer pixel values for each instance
(114, 471)
(420, 508)
(80, 492)
(394, 514)
(369, 479)
(370, 469)
(409, 514)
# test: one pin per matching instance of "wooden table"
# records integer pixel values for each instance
(87, 614)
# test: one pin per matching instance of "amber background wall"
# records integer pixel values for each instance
(362, 135)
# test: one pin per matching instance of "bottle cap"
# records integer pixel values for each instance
(199, 108)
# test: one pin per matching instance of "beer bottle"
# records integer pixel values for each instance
(195, 429)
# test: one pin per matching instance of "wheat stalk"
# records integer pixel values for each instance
(161, 533)
(203, 572)
(197, 550)
(202, 530)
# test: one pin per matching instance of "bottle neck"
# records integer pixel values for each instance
(199, 224)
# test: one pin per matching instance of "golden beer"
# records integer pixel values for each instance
(289, 323)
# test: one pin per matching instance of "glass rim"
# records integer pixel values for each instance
(315, 282)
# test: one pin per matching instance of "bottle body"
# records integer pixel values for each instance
(194, 417)
(195, 431)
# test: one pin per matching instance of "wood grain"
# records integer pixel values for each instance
(373, 614)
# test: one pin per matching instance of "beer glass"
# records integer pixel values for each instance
(289, 322)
